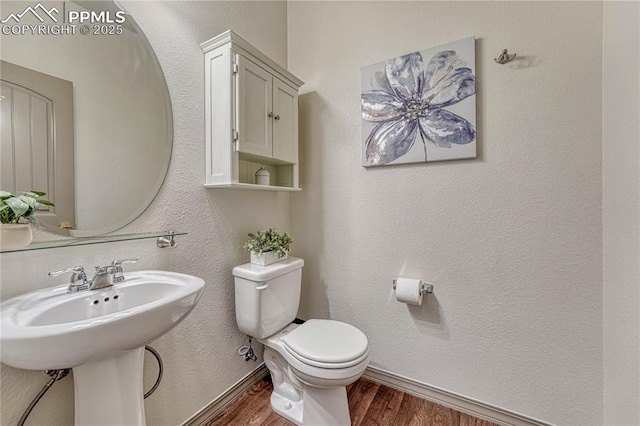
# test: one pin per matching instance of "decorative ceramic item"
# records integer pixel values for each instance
(268, 246)
(266, 258)
(15, 235)
(263, 177)
(420, 107)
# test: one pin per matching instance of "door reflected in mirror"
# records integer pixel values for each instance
(117, 152)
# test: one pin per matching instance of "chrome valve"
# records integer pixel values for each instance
(78, 280)
(118, 275)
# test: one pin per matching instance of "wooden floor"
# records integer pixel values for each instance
(369, 404)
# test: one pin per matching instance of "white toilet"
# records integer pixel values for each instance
(312, 363)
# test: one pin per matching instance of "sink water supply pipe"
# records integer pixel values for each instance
(160, 371)
(61, 374)
(55, 376)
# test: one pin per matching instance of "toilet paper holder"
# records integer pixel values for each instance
(424, 286)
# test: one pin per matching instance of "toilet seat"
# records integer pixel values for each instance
(321, 375)
(327, 344)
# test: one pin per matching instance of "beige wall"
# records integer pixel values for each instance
(200, 354)
(621, 212)
(512, 240)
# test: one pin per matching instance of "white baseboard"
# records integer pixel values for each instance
(218, 405)
(449, 399)
(441, 396)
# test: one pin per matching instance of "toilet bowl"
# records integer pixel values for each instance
(311, 363)
(309, 388)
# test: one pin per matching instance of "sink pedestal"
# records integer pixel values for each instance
(93, 332)
(110, 392)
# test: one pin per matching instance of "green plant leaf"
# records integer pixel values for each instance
(269, 241)
(7, 215)
(18, 206)
(5, 210)
(21, 207)
(30, 201)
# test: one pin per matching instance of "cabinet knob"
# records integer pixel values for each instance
(277, 117)
(270, 115)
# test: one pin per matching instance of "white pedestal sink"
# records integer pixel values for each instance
(101, 334)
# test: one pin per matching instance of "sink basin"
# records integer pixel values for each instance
(101, 334)
(53, 329)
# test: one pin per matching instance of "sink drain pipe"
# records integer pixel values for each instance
(61, 374)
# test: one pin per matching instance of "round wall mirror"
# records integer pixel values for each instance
(86, 114)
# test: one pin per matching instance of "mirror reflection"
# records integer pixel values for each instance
(85, 117)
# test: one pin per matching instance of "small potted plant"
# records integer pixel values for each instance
(268, 246)
(17, 216)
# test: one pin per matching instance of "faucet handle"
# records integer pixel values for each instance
(79, 270)
(78, 281)
(120, 262)
(118, 275)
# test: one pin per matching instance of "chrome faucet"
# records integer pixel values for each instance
(104, 276)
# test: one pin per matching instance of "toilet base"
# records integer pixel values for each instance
(301, 403)
(291, 411)
(319, 407)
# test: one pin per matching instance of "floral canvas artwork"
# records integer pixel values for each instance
(420, 107)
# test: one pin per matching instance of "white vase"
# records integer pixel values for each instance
(266, 258)
(15, 235)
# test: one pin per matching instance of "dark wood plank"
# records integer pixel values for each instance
(384, 407)
(443, 416)
(469, 420)
(369, 404)
(413, 411)
(360, 396)
(276, 420)
(247, 407)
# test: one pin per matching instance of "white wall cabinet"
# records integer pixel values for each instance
(251, 107)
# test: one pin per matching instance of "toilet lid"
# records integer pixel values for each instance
(327, 341)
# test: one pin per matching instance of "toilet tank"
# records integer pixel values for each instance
(267, 297)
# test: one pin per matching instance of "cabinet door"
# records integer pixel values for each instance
(254, 88)
(285, 122)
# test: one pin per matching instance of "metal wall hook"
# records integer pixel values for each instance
(505, 57)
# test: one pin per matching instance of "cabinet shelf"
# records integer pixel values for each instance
(251, 187)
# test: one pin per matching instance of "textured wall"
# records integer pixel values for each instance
(511, 240)
(621, 212)
(200, 354)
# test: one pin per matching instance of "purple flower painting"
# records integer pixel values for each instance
(429, 93)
